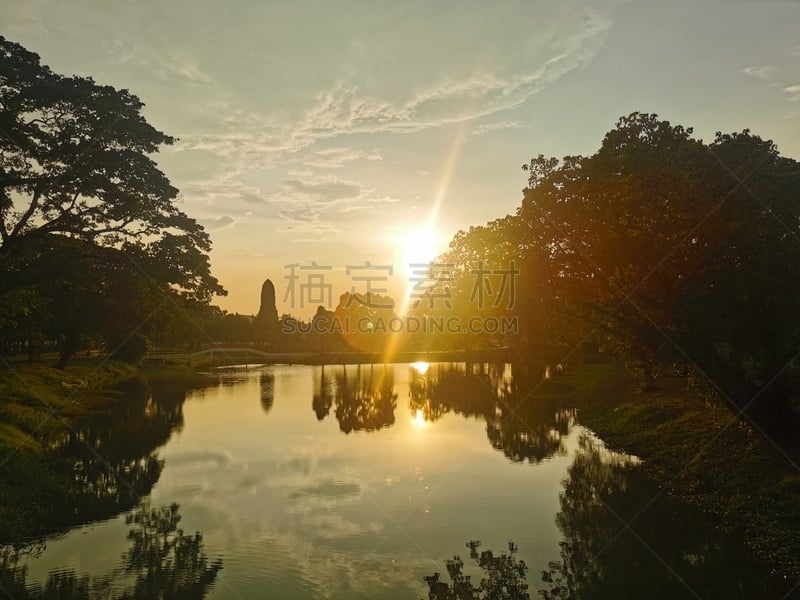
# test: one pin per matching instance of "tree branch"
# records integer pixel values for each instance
(28, 213)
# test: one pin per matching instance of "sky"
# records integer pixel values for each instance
(344, 134)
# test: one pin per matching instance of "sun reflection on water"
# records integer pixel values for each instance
(421, 367)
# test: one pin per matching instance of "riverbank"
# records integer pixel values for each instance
(39, 405)
(700, 454)
(38, 401)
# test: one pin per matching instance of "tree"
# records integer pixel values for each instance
(74, 160)
(615, 226)
(662, 249)
(681, 251)
(75, 164)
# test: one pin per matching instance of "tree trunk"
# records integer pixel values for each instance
(66, 351)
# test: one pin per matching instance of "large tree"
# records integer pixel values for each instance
(664, 249)
(75, 163)
(74, 160)
(680, 250)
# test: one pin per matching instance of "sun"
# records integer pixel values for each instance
(418, 246)
(415, 249)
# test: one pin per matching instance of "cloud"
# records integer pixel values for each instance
(764, 73)
(352, 208)
(336, 158)
(794, 92)
(322, 189)
(770, 75)
(306, 141)
(168, 67)
(487, 127)
(345, 109)
(384, 200)
(225, 189)
(218, 224)
(310, 203)
(307, 202)
(306, 218)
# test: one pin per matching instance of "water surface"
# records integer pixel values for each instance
(357, 482)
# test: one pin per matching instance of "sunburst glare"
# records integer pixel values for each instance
(421, 367)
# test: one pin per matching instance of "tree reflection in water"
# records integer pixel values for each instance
(505, 577)
(267, 385)
(102, 468)
(522, 421)
(362, 402)
(162, 562)
(324, 393)
(665, 553)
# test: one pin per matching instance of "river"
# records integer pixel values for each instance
(295, 481)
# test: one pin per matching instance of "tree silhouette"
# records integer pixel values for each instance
(667, 245)
(267, 385)
(164, 562)
(368, 403)
(76, 177)
(665, 552)
(660, 248)
(505, 577)
(521, 424)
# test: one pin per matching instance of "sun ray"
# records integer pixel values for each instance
(428, 234)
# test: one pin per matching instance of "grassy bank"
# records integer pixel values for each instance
(701, 454)
(38, 405)
(37, 401)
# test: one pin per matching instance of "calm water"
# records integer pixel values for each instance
(356, 482)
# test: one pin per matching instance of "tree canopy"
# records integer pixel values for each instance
(76, 175)
(663, 249)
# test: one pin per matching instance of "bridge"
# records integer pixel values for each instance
(240, 353)
(253, 355)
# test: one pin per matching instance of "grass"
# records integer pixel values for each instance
(38, 401)
(702, 454)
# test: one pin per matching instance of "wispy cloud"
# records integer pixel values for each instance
(168, 67)
(321, 189)
(219, 223)
(345, 110)
(764, 73)
(384, 200)
(338, 157)
(497, 125)
(794, 92)
(341, 125)
(222, 191)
